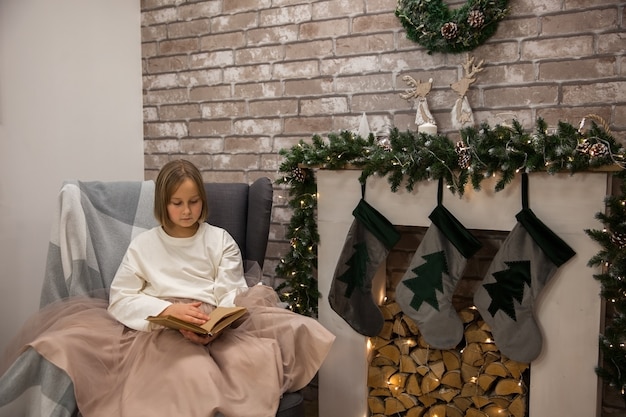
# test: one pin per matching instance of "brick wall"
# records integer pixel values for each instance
(228, 83)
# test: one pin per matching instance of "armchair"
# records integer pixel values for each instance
(228, 203)
(93, 225)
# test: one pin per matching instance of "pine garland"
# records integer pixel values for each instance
(612, 259)
(433, 25)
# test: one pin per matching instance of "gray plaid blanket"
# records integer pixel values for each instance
(92, 228)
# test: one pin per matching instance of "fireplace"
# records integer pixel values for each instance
(568, 310)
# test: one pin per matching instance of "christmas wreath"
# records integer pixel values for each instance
(433, 25)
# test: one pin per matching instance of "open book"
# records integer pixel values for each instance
(219, 319)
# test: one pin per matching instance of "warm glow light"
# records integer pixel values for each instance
(410, 342)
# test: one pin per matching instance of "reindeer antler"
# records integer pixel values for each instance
(419, 89)
(464, 83)
(475, 69)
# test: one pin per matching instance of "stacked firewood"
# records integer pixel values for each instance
(407, 378)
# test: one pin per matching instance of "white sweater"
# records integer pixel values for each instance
(205, 267)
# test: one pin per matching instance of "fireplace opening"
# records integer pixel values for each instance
(408, 378)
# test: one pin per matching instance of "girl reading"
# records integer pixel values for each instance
(121, 364)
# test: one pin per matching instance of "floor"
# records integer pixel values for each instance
(310, 400)
(311, 409)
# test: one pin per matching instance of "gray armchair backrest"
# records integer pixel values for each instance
(229, 203)
(94, 223)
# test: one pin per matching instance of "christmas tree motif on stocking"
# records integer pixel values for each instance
(369, 240)
(528, 258)
(428, 278)
(509, 285)
(426, 289)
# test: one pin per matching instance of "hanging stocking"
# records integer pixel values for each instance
(528, 258)
(426, 289)
(370, 238)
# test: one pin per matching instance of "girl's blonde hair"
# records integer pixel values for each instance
(170, 177)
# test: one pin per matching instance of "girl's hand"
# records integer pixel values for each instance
(196, 338)
(189, 312)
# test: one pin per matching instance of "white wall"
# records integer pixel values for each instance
(70, 107)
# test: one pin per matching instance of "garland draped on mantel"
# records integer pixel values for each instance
(502, 151)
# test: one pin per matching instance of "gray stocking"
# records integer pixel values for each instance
(369, 240)
(426, 289)
(528, 258)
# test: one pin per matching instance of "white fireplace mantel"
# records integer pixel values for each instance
(563, 380)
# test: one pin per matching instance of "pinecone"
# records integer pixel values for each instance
(584, 146)
(618, 240)
(598, 150)
(298, 174)
(476, 19)
(464, 156)
(449, 30)
(384, 142)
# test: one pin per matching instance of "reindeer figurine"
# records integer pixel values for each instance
(419, 91)
(462, 115)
